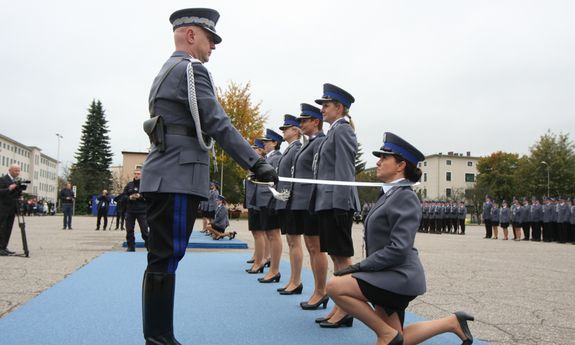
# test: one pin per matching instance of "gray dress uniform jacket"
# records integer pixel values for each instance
(554, 212)
(525, 211)
(461, 212)
(221, 220)
(487, 210)
(184, 166)
(572, 215)
(212, 200)
(392, 262)
(285, 165)
(250, 194)
(336, 161)
(547, 210)
(505, 215)
(564, 213)
(536, 214)
(303, 168)
(264, 198)
(495, 214)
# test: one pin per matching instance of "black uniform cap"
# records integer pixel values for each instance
(205, 18)
(395, 145)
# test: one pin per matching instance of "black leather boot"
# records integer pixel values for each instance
(158, 308)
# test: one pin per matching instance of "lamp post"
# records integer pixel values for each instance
(58, 154)
(547, 165)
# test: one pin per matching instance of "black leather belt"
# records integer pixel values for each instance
(180, 130)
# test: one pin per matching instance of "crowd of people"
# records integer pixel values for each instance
(440, 217)
(550, 221)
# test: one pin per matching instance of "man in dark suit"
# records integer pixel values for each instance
(8, 206)
(103, 206)
(185, 113)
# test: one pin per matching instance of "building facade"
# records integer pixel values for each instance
(122, 174)
(37, 167)
(447, 176)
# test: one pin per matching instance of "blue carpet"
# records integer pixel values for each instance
(199, 240)
(217, 303)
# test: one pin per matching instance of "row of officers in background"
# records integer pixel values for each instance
(443, 217)
(554, 220)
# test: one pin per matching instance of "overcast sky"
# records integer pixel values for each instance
(477, 76)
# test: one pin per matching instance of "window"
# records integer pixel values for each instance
(424, 164)
(448, 176)
(448, 192)
(419, 165)
(469, 177)
(138, 167)
(425, 193)
(448, 162)
(424, 177)
(469, 163)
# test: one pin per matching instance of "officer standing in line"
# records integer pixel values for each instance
(432, 218)
(291, 134)
(563, 220)
(424, 217)
(269, 219)
(175, 175)
(525, 212)
(135, 210)
(461, 214)
(487, 216)
(536, 218)
(547, 209)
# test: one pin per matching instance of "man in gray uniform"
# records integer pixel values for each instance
(536, 219)
(184, 109)
(487, 216)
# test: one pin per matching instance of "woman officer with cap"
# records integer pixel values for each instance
(392, 275)
(334, 204)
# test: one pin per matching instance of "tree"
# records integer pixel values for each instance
(248, 119)
(553, 154)
(367, 194)
(496, 175)
(91, 172)
(359, 164)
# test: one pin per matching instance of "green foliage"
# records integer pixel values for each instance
(91, 172)
(249, 121)
(497, 174)
(505, 175)
(367, 194)
(359, 164)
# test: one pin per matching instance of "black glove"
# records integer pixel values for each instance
(264, 171)
(348, 270)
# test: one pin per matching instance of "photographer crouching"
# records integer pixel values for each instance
(10, 190)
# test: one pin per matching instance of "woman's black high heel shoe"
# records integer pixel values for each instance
(346, 321)
(307, 306)
(296, 291)
(462, 318)
(233, 235)
(268, 263)
(259, 270)
(273, 279)
(397, 340)
(280, 289)
(250, 261)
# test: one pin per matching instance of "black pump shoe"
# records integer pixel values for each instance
(268, 263)
(280, 289)
(274, 279)
(259, 270)
(307, 306)
(462, 318)
(250, 261)
(321, 319)
(397, 340)
(346, 321)
(296, 291)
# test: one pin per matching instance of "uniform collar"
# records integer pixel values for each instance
(387, 187)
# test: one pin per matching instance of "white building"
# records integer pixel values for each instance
(36, 167)
(447, 176)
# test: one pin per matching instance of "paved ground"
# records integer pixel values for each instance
(520, 292)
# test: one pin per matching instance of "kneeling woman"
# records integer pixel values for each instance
(217, 228)
(392, 275)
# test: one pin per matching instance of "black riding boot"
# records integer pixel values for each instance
(158, 308)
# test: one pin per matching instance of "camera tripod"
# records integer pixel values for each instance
(22, 225)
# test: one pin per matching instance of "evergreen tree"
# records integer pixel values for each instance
(359, 164)
(91, 172)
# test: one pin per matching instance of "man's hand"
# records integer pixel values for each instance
(12, 187)
(348, 270)
(264, 171)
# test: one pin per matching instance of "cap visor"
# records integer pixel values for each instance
(380, 153)
(322, 100)
(217, 38)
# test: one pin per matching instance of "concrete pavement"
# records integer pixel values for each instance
(520, 292)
